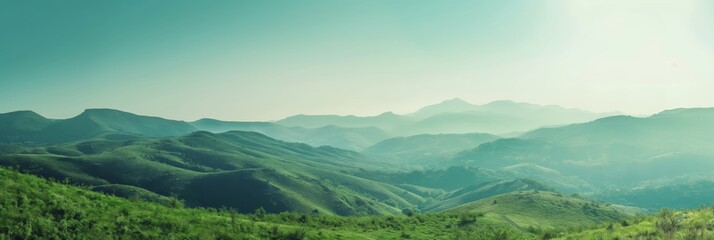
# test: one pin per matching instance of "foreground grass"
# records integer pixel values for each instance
(35, 208)
(667, 224)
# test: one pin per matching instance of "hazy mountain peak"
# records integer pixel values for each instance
(103, 111)
(456, 100)
(447, 106)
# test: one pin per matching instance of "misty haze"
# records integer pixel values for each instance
(356, 119)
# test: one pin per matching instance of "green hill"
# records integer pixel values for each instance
(544, 210)
(425, 150)
(481, 191)
(242, 170)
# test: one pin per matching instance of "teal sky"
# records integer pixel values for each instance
(264, 60)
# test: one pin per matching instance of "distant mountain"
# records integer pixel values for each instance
(498, 117)
(29, 128)
(614, 151)
(348, 132)
(387, 121)
(243, 170)
(456, 105)
(456, 116)
(341, 137)
(425, 150)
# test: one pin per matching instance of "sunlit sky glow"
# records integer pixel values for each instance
(264, 60)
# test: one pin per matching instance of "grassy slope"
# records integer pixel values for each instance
(481, 191)
(544, 209)
(31, 207)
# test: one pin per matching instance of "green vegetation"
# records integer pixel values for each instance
(34, 208)
(547, 210)
(667, 224)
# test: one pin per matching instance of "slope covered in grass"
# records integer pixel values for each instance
(31, 207)
(481, 191)
(545, 210)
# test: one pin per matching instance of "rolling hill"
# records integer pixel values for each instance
(243, 170)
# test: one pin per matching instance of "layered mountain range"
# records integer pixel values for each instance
(349, 165)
